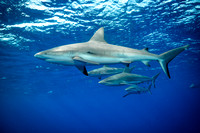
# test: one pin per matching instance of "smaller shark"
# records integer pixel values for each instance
(105, 70)
(134, 89)
(126, 78)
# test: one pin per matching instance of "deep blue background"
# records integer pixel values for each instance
(36, 96)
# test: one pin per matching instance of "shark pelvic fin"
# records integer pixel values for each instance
(98, 35)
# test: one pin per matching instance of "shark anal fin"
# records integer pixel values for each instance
(77, 58)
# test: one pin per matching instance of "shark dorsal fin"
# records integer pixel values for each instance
(98, 35)
(128, 70)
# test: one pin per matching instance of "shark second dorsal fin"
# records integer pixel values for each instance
(98, 35)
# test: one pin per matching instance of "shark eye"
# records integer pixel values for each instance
(89, 52)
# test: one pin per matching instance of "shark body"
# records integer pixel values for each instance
(134, 89)
(98, 52)
(105, 70)
(127, 78)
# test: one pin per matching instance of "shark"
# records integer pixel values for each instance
(105, 70)
(97, 51)
(127, 78)
(135, 89)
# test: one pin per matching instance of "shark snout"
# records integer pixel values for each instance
(37, 55)
(41, 55)
(101, 82)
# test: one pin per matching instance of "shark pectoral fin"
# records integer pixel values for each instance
(82, 69)
(77, 58)
(146, 63)
(126, 94)
(80, 65)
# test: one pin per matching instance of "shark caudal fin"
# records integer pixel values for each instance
(149, 89)
(154, 79)
(166, 57)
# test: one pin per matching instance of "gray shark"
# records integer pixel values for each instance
(98, 52)
(134, 89)
(105, 70)
(127, 78)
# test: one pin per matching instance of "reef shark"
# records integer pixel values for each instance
(98, 52)
(127, 78)
(134, 89)
(105, 70)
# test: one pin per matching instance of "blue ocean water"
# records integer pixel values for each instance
(38, 97)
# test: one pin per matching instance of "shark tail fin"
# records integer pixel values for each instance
(149, 89)
(154, 78)
(166, 57)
